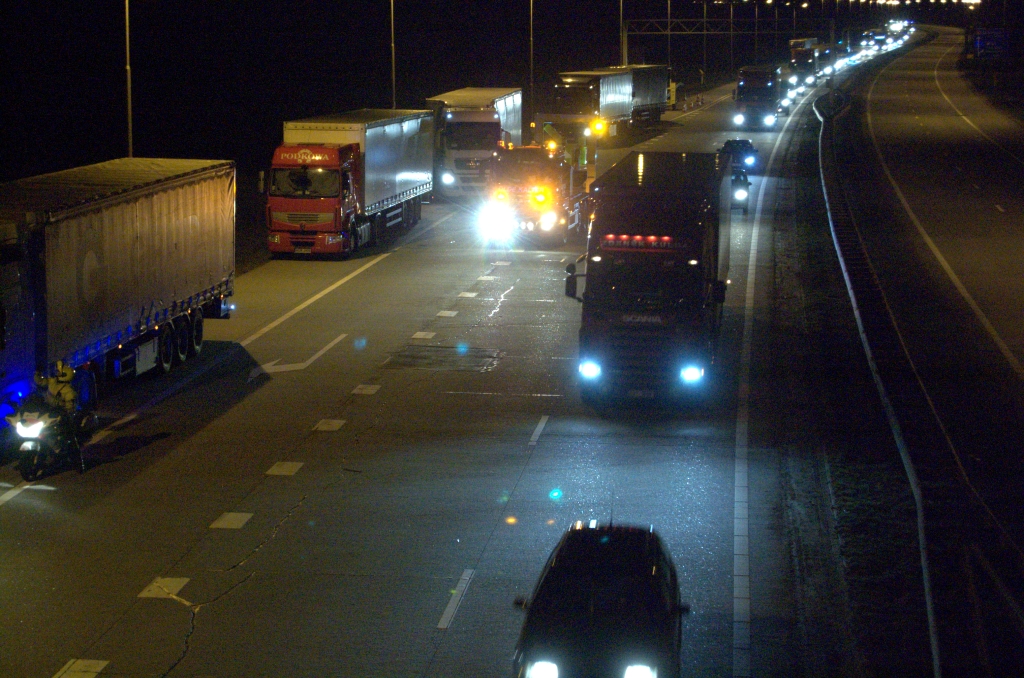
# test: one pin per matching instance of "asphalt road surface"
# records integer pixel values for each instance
(374, 457)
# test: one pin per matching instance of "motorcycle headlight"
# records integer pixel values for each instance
(542, 670)
(29, 430)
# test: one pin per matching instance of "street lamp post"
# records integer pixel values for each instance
(128, 71)
(622, 38)
(531, 59)
(394, 92)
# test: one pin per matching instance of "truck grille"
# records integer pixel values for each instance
(642, 355)
(303, 217)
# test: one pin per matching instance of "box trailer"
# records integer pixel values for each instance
(113, 267)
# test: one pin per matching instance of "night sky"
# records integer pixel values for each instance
(216, 79)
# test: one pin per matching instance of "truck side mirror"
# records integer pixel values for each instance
(260, 181)
(718, 291)
(570, 284)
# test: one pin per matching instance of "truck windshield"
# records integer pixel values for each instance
(524, 165)
(650, 276)
(472, 136)
(305, 182)
(755, 87)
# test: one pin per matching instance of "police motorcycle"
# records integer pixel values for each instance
(49, 426)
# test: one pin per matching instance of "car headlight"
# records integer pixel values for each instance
(590, 369)
(691, 374)
(29, 431)
(787, 102)
(740, 194)
(749, 160)
(496, 222)
(547, 220)
(793, 79)
(542, 670)
(769, 120)
(738, 119)
(640, 671)
(447, 178)
(809, 80)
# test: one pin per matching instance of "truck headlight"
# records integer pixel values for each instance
(496, 222)
(590, 369)
(738, 119)
(547, 220)
(274, 238)
(793, 80)
(740, 194)
(640, 671)
(769, 120)
(29, 431)
(691, 374)
(447, 178)
(542, 670)
(748, 161)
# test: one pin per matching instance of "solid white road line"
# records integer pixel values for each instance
(329, 425)
(456, 599)
(259, 333)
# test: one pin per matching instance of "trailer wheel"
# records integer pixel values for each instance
(182, 338)
(166, 349)
(195, 346)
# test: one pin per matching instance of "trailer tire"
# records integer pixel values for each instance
(165, 348)
(182, 338)
(195, 344)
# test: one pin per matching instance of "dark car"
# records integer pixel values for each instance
(743, 153)
(606, 605)
(740, 189)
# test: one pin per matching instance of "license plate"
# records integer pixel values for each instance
(303, 250)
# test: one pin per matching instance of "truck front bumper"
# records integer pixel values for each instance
(286, 242)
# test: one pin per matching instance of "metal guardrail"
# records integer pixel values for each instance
(972, 569)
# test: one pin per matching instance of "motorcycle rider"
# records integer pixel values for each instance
(60, 393)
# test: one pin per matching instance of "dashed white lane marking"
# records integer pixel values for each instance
(230, 521)
(467, 295)
(319, 295)
(540, 429)
(1000, 208)
(164, 587)
(366, 389)
(447, 314)
(502, 263)
(329, 424)
(81, 668)
(13, 492)
(423, 335)
(285, 468)
(456, 599)
(485, 278)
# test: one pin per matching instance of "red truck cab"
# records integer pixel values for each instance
(313, 199)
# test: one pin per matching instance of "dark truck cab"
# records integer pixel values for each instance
(655, 275)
